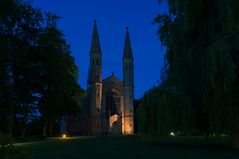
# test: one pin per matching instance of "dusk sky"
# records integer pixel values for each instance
(112, 16)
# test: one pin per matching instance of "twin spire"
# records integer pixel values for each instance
(95, 45)
(127, 46)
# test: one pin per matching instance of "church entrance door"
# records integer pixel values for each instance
(115, 125)
(116, 128)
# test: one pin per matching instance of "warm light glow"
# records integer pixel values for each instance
(114, 118)
(63, 135)
(128, 126)
(172, 134)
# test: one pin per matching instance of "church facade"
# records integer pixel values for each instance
(108, 107)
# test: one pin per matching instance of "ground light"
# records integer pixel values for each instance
(172, 134)
(63, 136)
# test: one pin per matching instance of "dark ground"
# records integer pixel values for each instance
(131, 147)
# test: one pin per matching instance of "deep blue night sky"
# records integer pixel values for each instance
(112, 18)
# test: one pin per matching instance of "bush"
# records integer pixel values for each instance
(9, 151)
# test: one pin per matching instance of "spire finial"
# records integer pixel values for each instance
(127, 46)
(95, 45)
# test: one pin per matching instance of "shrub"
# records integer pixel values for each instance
(9, 151)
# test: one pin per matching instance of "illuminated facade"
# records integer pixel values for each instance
(108, 108)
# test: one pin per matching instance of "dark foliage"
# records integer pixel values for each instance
(38, 75)
(200, 88)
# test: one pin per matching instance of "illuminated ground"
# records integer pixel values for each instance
(130, 147)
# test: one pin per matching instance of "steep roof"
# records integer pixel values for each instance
(112, 78)
(95, 44)
(127, 46)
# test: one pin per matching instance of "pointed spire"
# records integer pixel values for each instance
(95, 45)
(127, 46)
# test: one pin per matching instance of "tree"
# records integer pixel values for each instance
(38, 72)
(18, 30)
(59, 76)
(201, 68)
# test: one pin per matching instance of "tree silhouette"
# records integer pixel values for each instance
(38, 75)
(200, 88)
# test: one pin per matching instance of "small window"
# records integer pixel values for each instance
(130, 110)
(98, 110)
(98, 94)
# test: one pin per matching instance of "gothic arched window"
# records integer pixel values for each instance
(113, 104)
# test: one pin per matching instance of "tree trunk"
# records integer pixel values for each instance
(11, 112)
(44, 129)
(235, 138)
(23, 133)
(51, 127)
(10, 120)
(24, 127)
(12, 103)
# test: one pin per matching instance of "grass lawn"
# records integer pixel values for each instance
(130, 147)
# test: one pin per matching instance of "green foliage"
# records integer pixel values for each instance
(200, 88)
(37, 70)
(147, 118)
(160, 112)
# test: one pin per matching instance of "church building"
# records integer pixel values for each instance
(108, 107)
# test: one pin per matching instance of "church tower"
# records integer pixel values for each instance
(108, 109)
(128, 81)
(95, 83)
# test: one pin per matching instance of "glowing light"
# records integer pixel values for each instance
(172, 134)
(63, 135)
(128, 127)
(114, 118)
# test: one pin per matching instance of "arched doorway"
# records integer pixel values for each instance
(115, 125)
(113, 112)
